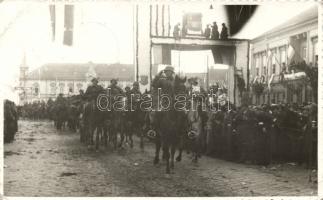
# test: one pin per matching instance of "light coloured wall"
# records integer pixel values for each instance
(143, 44)
(45, 91)
(242, 58)
(276, 42)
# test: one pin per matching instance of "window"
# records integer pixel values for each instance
(315, 50)
(283, 67)
(282, 56)
(36, 88)
(53, 88)
(79, 86)
(273, 62)
(304, 53)
(61, 88)
(257, 64)
(264, 64)
(70, 87)
(274, 69)
(265, 70)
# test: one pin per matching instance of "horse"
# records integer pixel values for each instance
(167, 122)
(61, 115)
(93, 120)
(116, 115)
(133, 122)
(72, 120)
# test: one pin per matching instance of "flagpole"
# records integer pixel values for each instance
(207, 73)
(228, 88)
(39, 83)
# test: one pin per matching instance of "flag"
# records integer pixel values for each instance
(269, 55)
(68, 24)
(52, 13)
(217, 55)
(270, 81)
(290, 53)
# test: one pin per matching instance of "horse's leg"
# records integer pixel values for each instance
(163, 155)
(92, 134)
(88, 134)
(167, 156)
(115, 137)
(158, 146)
(172, 151)
(130, 139)
(180, 149)
(122, 137)
(98, 133)
(81, 135)
(105, 139)
(141, 133)
(196, 150)
(129, 134)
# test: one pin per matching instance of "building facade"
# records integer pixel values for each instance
(69, 78)
(273, 53)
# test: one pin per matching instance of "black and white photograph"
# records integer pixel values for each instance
(160, 99)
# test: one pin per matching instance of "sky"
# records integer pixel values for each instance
(103, 33)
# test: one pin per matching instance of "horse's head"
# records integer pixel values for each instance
(179, 85)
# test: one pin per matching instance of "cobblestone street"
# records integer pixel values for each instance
(45, 162)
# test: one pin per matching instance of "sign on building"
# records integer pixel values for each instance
(192, 23)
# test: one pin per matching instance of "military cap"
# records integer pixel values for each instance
(94, 79)
(169, 68)
(114, 80)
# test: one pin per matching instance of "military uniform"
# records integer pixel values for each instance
(10, 121)
(93, 91)
(264, 126)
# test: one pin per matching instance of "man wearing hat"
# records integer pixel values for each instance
(93, 91)
(115, 89)
(215, 32)
(135, 88)
(136, 116)
(207, 31)
(169, 72)
(224, 32)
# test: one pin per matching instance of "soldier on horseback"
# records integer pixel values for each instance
(133, 116)
(93, 91)
(116, 116)
(167, 120)
(115, 89)
(60, 111)
(91, 114)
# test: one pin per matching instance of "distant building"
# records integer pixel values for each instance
(68, 78)
(271, 53)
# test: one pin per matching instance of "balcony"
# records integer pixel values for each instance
(193, 41)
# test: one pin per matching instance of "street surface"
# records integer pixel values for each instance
(45, 162)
